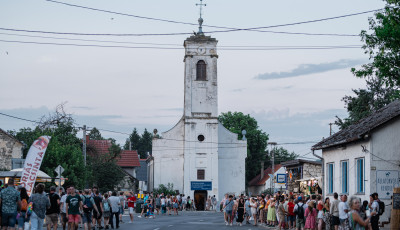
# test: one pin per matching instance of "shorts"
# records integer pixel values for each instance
(87, 217)
(64, 218)
(8, 219)
(131, 210)
(291, 219)
(74, 218)
(299, 223)
(158, 206)
(335, 220)
(175, 205)
(121, 210)
(52, 218)
(97, 216)
(228, 212)
(282, 218)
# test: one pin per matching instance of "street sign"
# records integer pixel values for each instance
(201, 185)
(281, 178)
(386, 180)
(59, 170)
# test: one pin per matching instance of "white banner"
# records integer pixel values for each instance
(32, 163)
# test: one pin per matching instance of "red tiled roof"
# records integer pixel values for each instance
(100, 147)
(256, 180)
(128, 158)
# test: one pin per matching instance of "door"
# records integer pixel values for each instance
(200, 197)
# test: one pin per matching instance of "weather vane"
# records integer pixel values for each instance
(200, 19)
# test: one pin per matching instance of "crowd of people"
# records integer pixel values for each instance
(297, 211)
(88, 208)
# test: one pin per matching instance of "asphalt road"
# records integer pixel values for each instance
(184, 221)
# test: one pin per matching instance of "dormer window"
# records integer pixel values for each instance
(201, 71)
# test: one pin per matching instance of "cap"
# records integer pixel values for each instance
(299, 198)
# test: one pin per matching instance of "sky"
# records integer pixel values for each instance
(292, 89)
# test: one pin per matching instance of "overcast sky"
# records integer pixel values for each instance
(293, 93)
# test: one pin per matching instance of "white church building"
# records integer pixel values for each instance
(198, 155)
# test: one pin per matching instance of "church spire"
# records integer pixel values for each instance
(200, 19)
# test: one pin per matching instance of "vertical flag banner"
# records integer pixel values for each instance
(33, 162)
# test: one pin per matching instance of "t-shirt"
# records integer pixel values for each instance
(281, 209)
(73, 204)
(97, 200)
(62, 201)
(40, 203)
(375, 206)
(122, 201)
(343, 206)
(335, 208)
(132, 200)
(9, 198)
(115, 203)
(229, 205)
(162, 201)
(291, 208)
(54, 207)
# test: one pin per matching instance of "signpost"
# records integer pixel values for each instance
(281, 178)
(59, 170)
(386, 181)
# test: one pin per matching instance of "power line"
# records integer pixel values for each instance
(176, 48)
(19, 118)
(229, 29)
(167, 44)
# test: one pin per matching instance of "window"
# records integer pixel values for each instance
(360, 175)
(201, 71)
(201, 174)
(330, 168)
(345, 176)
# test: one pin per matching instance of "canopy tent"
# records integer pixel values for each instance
(16, 174)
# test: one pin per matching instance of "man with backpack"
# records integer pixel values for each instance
(374, 207)
(299, 210)
(54, 210)
(88, 206)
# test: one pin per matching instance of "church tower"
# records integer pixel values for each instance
(198, 156)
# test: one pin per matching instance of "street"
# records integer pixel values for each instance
(185, 220)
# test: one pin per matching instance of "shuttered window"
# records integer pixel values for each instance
(201, 71)
(201, 174)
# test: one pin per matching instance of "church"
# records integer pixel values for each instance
(198, 155)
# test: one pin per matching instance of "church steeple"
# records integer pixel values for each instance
(200, 32)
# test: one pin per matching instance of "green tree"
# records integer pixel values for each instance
(95, 134)
(256, 139)
(134, 140)
(281, 155)
(167, 190)
(146, 144)
(382, 75)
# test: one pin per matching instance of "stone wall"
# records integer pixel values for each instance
(9, 148)
(312, 170)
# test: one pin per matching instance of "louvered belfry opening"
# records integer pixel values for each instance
(201, 71)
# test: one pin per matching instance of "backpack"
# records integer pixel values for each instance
(106, 206)
(24, 205)
(381, 208)
(300, 211)
(88, 204)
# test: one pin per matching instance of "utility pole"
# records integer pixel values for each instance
(84, 152)
(273, 165)
(330, 129)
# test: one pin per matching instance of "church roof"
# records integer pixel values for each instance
(256, 181)
(363, 127)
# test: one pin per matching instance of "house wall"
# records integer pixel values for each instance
(9, 149)
(350, 153)
(385, 158)
(232, 154)
(257, 190)
(312, 170)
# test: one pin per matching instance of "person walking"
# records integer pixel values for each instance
(343, 210)
(374, 207)
(23, 220)
(271, 217)
(122, 200)
(131, 206)
(335, 211)
(63, 206)
(311, 216)
(10, 202)
(229, 210)
(253, 206)
(356, 222)
(98, 200)
(73, 208)
(240, 211)
(106, 210)
(115, 205)
(299, 210)
(54, 210)
(88, 205)
(40, 203)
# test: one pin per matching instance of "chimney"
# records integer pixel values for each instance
(87, 139)
(262, 170)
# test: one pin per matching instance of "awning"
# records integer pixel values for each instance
(310, 178)
(16, 173)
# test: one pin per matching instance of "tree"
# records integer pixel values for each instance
(146, 144)
(256, 139)
(382, 75)
(134, 140)
(383, 45)
(95, 134)
(281, 155)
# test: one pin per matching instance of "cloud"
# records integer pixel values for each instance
(305, 69)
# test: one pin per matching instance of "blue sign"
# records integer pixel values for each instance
(281, 178)
(200, 185)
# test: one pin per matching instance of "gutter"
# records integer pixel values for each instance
(323, 173)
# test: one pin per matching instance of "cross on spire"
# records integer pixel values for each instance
(200, 19)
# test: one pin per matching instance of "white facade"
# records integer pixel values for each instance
(198, 141)
(379, 154)
(257, 190)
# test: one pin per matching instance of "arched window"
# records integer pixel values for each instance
(201, 71)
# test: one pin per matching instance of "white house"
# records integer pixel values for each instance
(198, 155)
(365, 157)
(263, 181)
